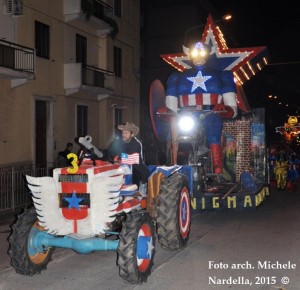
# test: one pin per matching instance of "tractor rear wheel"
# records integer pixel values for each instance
(173, 213)
(136, 248)
(24, 257)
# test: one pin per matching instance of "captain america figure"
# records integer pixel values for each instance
(211, 91)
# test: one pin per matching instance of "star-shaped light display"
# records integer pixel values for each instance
(73, 201)
(199, 81)
(243, 62)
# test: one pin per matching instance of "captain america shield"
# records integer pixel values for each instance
(184, 213)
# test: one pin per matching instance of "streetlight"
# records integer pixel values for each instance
(226, 17)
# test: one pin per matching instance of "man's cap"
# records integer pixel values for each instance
(129, 127)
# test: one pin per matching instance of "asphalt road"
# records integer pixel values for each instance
(228, 249)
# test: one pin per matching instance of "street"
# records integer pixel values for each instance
(253, 249)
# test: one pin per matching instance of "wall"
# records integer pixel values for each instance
(240, 130)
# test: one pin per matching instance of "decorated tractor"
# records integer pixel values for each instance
(93, 206)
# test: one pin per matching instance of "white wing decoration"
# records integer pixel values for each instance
(104, 197)
(45, 198)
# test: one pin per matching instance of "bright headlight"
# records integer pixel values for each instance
(186, 123)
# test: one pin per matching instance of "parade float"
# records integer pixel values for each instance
(290, 131)
(203, 115)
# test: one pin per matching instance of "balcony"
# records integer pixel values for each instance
(98, 16)
(16, 62)
(91, 80)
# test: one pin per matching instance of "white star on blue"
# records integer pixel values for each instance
(150, 248)
(199, 81)
(73, 201)
(184, 213)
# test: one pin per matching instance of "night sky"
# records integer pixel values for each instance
(257, 23)
(266, 23)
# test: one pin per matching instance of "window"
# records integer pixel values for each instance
(118, 117)
(82, 120)
(81, 49)
(118, 121)
(118, 8)
(42, 40)
(118, 61)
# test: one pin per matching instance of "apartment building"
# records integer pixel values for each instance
(68, 68)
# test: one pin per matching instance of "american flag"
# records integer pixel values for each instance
(130, 158)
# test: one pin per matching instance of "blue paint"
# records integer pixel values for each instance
(143, 245)
(40, 240)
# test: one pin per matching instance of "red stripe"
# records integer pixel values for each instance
(214, 99)
(70, 187)
(105, 168)
(128, 204)
(199, 99)
(185, 101)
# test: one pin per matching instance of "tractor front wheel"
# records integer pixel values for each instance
(136, 248)
(25, 258)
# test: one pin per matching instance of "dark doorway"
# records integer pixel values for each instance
(41, 133)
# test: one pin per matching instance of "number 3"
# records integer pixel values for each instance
(74, 163)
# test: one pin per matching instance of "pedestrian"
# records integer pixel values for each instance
(280, 170)
(62, 158)
(130, 150)
(292, 172)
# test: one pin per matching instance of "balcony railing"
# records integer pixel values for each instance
(102, 10)
(93, 76)
(93, 80)
(99, 15)
(17, 57)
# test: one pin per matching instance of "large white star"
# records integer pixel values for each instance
(199, 81)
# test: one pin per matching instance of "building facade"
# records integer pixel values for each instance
(68, 68)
